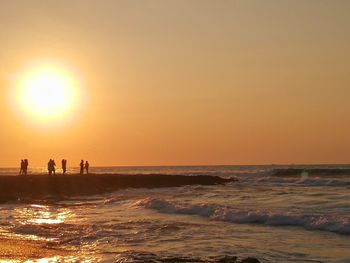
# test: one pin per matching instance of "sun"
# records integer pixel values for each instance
(47, 91)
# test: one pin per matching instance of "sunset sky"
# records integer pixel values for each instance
(180, 82)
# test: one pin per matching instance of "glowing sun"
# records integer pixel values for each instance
(47, 92)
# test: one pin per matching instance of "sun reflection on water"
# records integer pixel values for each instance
(37, 222)
(33, 234)
(41, 214)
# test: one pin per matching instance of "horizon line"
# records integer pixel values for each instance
(202, 165)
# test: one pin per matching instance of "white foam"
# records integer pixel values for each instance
(241, 216)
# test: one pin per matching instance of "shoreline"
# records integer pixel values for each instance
(20, 250)
(15, 249)
(26, 188)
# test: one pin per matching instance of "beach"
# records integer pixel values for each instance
(192, 131)
(178, 214)
(18, 250)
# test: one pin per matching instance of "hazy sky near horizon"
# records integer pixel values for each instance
(182, 82)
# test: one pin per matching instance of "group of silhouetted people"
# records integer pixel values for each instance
(51, 167)
(24, 167)
(84, 166)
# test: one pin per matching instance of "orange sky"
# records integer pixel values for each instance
(182, 82)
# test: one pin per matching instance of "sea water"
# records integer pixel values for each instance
(298, 218)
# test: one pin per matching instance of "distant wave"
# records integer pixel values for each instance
(304, 181)
(298, 177)
(311, 171)
(311, 222)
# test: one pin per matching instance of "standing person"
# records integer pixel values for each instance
(87, 165)
(82, 167)
(53, 164)
(22, 166)
(49, 166)
(64, 166)
(25, 166)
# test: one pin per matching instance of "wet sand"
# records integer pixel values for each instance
(18, 250)
(44, 187)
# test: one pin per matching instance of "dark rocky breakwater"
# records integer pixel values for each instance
(39, 187)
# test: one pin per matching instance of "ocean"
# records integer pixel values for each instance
(273, 216)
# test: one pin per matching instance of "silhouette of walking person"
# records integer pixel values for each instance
(25, 166)
(21, 168)
(64, 166)
(87, 165)
(82, 167)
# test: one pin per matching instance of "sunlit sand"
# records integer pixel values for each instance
(16, 250)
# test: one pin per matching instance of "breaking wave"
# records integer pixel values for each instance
(234, 215)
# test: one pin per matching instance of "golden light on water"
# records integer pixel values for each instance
(47, 91)
(40, 214)
(29, 243)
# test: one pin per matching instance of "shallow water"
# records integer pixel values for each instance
(275, 219)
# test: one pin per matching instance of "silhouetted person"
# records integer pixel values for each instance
(22, 166)
(87, 165)
(64, 166)
(25, 166)
(53, 164)
(82, 167)
(49, 167)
